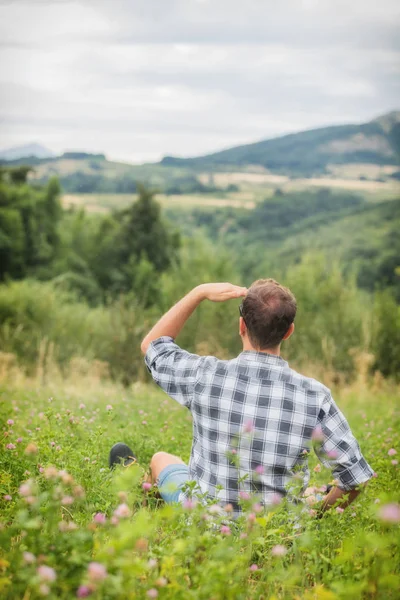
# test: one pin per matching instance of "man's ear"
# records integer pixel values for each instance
(242, 327)
(289, 332)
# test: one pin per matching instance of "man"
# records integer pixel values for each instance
(254, 418)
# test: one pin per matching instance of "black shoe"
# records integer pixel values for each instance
(121, 454)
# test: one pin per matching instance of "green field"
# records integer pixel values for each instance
(56, 439)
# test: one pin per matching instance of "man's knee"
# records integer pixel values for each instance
(157, 458)
(160, 460)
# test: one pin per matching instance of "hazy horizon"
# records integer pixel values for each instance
(138, 81)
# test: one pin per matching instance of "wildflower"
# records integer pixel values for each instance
(82, 406)
(29, 558)
(317, 469)
(44, 589)
(146, 486)
(67, 500)
(123, 496)
(311, 500)
(161, 582)
(257, 507)
(122, 511)
(109, 407)
(46, 573)
(276, 499)
(251, 518)
(339, 510)
(52, 444)
(392, 452)
(114, 520)
(375, 475)
(152, 593)
(7, 497)
(10, 422)
(99, 518)
(214, 509)
(83, 591)
(253, 568)
(78, 491)
(144, 422)
(394, 462)
(97, 571)
(312, 512)
(25, 489)
(225, 530)
(228, 508)
(248, 427)
(11, 446)
(66, 478)
(332, 454)
(317, 434)
(58, 448)
(142, 545)
(50, 472)
(259, 470)
(152, 563)
(243, 535)
(278, 550)
(189, 504)
(376, 501)
(244, 495)
(19, 440)
(390, 513)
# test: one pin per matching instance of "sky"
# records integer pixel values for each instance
(141, 79)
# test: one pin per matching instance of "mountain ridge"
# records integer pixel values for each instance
(26, 151)
(310, 151)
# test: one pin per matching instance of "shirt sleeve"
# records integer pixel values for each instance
(338, 449)
(175, 370)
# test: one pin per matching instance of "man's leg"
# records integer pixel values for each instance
(159, 461)
(170, 474)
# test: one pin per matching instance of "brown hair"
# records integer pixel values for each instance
(268, 310)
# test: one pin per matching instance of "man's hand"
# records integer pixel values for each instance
(220, 292)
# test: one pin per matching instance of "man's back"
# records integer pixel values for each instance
(253, 422)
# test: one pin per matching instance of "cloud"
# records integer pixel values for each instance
(142, 79)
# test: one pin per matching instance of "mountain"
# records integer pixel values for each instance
(310, 152)
(26, 151)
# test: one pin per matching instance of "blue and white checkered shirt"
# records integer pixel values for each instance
(254, 419)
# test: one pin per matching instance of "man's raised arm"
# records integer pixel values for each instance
(172, 322)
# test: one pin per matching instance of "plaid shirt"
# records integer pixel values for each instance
(254, 419)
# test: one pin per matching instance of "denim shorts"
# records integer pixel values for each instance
(171, 481)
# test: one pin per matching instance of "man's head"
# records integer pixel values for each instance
(268, 312)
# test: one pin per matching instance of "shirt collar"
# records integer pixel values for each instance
(262, 357)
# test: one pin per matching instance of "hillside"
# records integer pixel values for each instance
(347, 156)
(310, 152)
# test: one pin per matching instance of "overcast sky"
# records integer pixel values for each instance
(139, 79)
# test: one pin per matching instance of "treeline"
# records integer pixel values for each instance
(78, 286)
(97, 258)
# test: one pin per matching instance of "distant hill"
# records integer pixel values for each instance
(310, 152)
(26, 151)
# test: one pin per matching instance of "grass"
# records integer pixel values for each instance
(173, 552)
